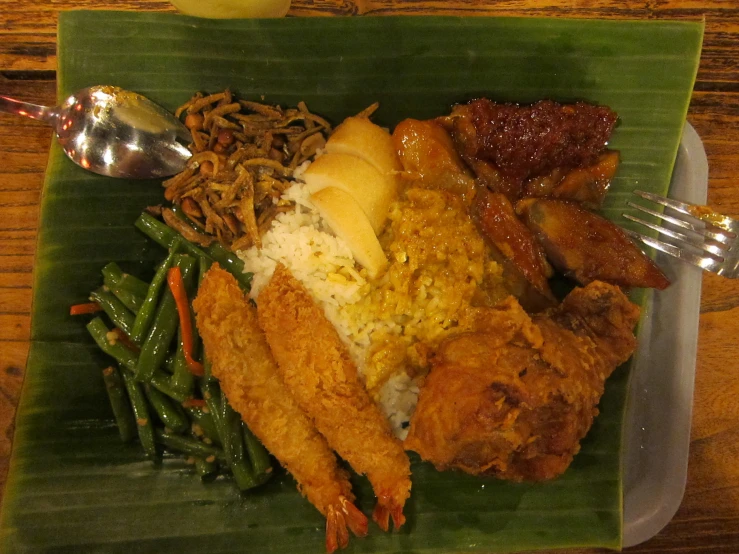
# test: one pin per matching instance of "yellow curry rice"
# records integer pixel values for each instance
(437, 261)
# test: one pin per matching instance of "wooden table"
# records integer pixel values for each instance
(708, 520)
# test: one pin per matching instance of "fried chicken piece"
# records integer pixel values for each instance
(317, 370)
(588, 247)
(243, 364)
(602, 313)
(514, 398)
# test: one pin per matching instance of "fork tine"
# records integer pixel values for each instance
(695, 243)
(681, 207)
(703, 230)
(716, 220)
(704, 262)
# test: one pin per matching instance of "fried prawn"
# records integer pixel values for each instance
(317, 370)
(242, 362)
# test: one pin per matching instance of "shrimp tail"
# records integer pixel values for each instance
(355, 519)
(381, 516)
(398, 518)
(337, 535)
(385, 509)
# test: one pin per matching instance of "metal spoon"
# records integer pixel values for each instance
(113, 132)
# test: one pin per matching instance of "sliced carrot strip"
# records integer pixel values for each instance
(87, 308)
(177, 286)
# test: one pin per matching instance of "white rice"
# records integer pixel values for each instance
(299, 240)
(398, 399)
(323, 263)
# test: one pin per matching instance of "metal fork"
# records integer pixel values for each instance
(694, 234)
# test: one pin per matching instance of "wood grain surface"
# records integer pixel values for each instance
(708, 519)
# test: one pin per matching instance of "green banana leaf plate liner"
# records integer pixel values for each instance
(74, 487)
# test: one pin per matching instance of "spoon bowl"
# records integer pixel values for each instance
(114, 132)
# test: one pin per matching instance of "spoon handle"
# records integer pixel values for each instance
(34, 111)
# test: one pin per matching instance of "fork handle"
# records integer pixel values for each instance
(26, 109)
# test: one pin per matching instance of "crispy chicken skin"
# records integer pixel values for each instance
(514, 398)
(317, 370)
(588, 247)
(244, 366)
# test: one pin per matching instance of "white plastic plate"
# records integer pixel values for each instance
(660, 399)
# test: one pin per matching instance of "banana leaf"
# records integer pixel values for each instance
(74, 487)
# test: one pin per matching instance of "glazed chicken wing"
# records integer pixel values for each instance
(515, 397)
(499, 224)
(588, 247)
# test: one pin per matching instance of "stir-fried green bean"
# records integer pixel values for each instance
(130, 290)
(115, 309)
(129, 299)
(134, 285)
(114, 274)
(203, 267)
(192, 283)
(206, 467)
(147, 312)
(228, 425)
(182, 380)
(169, 363)
(156, 346)
(164, 327)
(162, 234)
(206, 426)
(187, 445)
(154, 393)
(169, 413)
(116, 388)
(108, 344)
(143, 417)
(124, 356)
(161, 381)
(212, 397)
(112, 271)
(233, 447)
(234, 442)
(260, 462)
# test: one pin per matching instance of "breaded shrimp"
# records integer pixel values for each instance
(317, 370)
(242, 362)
